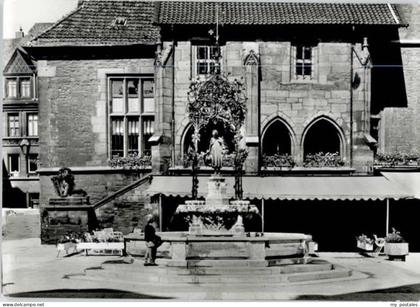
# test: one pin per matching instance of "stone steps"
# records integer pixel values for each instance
(234, 275)
(225, 278)
(217, 280)
(239, 270)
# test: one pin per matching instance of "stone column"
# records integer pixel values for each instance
(363, 142)
(162, 138)
(252, 118)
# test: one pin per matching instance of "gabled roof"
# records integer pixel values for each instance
(93, 24)
(276, 13)
(19, 63)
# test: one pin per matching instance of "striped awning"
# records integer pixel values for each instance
(290, 188)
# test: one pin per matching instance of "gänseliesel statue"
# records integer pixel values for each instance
(215, 152)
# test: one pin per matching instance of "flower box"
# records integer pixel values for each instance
(364, 245)
(396, 250)
(102, 248)
(66, 247)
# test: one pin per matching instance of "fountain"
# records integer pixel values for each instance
(217, 235)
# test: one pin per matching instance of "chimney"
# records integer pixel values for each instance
(20, 34)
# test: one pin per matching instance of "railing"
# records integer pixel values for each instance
(145, 179)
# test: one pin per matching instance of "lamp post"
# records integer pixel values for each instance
(24, 147)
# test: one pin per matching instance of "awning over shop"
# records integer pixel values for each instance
(410, 181)
(290, 188)
(26, 186)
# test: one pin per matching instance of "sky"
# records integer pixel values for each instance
(26, 13)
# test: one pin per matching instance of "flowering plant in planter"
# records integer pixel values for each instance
(131, 162)
(395, 245)
(397, 159)
(394, 237)
(365, 243)
(279, 160)
(322, 159)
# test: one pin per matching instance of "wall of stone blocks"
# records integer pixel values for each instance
(97, 185)
(128, 211)
(399, 129)
(297, 103)
(73, 109)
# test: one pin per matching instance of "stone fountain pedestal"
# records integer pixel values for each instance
(216, 216)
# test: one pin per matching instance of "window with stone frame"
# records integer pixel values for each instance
(206, 58)
(18, 87)
(33, 163)
(13, 125)
(25, 87)
(13, 164)
(11, 87)
(303, 56)
(32, 124)
(131, 114)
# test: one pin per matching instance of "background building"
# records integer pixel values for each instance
(20, 122)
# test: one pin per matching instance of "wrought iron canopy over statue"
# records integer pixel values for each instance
(215, 152)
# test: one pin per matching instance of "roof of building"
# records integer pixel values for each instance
(20, 63)
(276, 13)
(93, 23)
(10, 45)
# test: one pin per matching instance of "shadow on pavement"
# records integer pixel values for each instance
(86, 293)
(403, 293)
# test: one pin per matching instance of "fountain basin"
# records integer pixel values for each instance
(184, 249)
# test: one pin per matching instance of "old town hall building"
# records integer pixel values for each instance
(332, 104)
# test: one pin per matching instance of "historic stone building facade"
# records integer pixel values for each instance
(114, 76)
(20, 144)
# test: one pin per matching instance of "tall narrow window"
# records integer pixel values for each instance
(206, 60)
(11, 88)
(148, 97)
(25, 87)
(32, 124)
(131, 106)
(133, 95)
(303, 66)
(117, 103)
(32, 163)
(147, 133)
(117, 137)
(14, 164)
(133, 135)
(13, 125)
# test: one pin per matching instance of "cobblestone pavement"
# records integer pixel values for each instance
(31, 269)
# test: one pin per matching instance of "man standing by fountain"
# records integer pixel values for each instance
(152, 241)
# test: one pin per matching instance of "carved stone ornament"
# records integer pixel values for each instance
(251, 58)
(64, 183)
